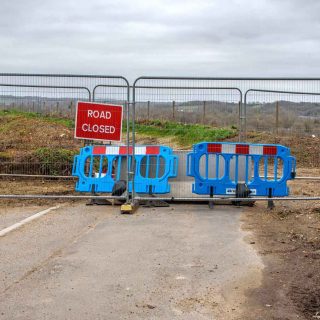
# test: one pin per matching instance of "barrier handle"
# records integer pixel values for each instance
(175, 165)
(188, 163)
(75, 165)
(293, 164)
(172, 170)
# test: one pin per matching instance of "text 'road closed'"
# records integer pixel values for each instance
(98, 121)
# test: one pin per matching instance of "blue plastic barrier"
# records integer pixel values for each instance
(219, 167)
(100, 167)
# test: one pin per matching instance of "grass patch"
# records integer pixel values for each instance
(184, 134)
(5, 156)
(49, 155)
(54, 161)
(69, 123)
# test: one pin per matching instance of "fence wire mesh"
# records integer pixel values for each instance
(283, 112)
(179, 112)
(37, 119)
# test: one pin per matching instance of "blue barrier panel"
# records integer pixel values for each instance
(218, 167)
(100, 167)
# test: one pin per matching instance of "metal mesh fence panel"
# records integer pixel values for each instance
(37, 119)
(283, 112)
(287, 117)
(58, 101)
(179, 112)
(187, 102)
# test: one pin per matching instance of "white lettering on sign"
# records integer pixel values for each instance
(98, 128)
(99, 114)
(98, 121)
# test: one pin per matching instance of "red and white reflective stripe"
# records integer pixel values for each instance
(123, 150)
(228, 148)
(256, 150)
(242, 149)
(214, 148)
(270, 150)
(99, 150)
(152, 150)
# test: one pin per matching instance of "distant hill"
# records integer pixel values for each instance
(304, 109)
(301, 109)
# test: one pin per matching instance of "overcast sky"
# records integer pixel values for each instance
(161, 37)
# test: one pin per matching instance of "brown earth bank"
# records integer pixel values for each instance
(288, 239)
(306, 148)
(33, 142)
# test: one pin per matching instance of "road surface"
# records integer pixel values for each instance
(90, 262)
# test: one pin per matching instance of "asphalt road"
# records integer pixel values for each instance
(90, 262)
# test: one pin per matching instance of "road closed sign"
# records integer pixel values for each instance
(98, 121)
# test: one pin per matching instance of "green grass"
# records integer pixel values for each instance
(184, 134)
(69, 123)
(49, 155)
(5, 156)
(53, 159)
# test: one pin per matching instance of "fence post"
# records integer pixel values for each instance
(148, 106)
(173, 107)
(72, 111)
(204, 112)
(239, 124)
(277, 117)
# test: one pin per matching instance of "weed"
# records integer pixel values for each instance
(69, 123)
(184, 134)
(54, 161)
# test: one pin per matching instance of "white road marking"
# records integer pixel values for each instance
(17, 225)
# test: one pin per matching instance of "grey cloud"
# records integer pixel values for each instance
(205, 37)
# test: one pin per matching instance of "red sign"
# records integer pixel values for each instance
(98, 121)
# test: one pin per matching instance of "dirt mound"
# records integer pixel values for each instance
(22, 134)
(33, 144)
(288, 240)
(305, 148)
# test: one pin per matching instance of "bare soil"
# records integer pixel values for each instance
(305, 148)
(19, 135)
(34, 186)
(288, 239)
